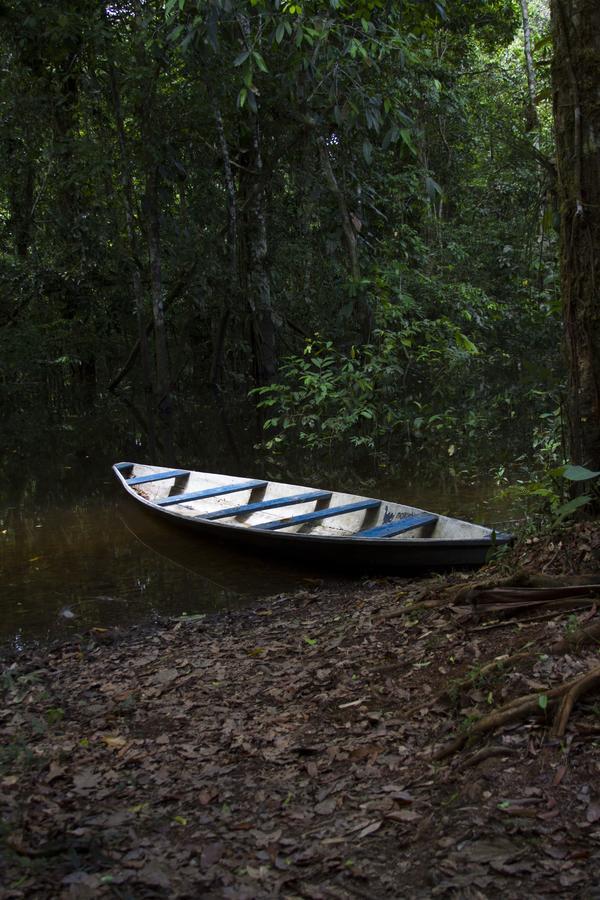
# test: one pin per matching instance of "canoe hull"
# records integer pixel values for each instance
(342, 553)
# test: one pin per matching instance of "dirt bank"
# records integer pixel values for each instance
(289, 752)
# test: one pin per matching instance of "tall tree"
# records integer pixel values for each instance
(576, 86)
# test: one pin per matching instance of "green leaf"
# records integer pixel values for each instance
(543, 701)
(243, 56)
(545, 94)
(466, 344)
(567, 508)
(545, 41)
(280, 32)
(579, 473)
(432, 187)
(259, 61)
(367, 149)
(175, 33)
(242, 97)
(406, 136)
(311, 641)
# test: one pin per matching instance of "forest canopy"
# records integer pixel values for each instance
(348, 206)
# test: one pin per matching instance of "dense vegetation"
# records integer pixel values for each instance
(349, 206)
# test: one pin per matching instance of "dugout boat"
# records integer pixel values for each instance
(318, 526)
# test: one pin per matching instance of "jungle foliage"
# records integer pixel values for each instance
(346, 206)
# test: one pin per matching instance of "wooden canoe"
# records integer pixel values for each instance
(319, 526)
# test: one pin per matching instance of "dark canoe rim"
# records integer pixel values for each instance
(347, 552)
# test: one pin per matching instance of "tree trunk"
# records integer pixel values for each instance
(252, 189)
(532, 116)
(216, 368)
(265, 354)
(576, 29)
(350, 236)
(127, 185)
(152, 213)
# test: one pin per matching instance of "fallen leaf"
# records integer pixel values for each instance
(211, 854)
(593, 812)
(166, 676)
(114, 741)
(370, 829)
(55, 771)
(403, 815)
(326, 807)
(87, 780)
(352, 703)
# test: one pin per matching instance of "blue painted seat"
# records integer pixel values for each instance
(211, 492)
(319, 514)
(158, 476)
(123, 466)
(397, 527)
(267, 504)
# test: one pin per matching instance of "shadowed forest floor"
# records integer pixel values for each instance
(305, 749)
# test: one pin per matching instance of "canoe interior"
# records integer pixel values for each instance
(254, 506)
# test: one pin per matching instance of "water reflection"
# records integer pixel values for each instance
(75, 554)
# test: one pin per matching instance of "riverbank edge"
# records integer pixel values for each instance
(287, 750)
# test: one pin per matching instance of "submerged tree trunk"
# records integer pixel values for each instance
(576, 28)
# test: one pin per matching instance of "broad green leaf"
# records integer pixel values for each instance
(576, 503)
(432, 187)
(579, 473)
(175, 33)
(367, 149)
(543, 701)
(259, 61)
(466, 344)
(243, 56)
(406, 136)
(545, 41)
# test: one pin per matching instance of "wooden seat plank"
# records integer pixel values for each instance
(397, 527)
(267, 504)
(211, 492)
(319, 514)
(158, 476)
(123, 466)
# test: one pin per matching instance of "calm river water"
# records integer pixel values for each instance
(75, 554)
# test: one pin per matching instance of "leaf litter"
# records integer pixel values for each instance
(229, 756)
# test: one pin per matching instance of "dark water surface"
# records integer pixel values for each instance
(75, 553)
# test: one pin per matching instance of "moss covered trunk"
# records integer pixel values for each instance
(576, 85)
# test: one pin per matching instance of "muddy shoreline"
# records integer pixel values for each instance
(288, 751)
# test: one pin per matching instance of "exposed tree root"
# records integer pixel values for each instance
(516, 588)
(582, 686)
(525, 706)
(573, 641)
